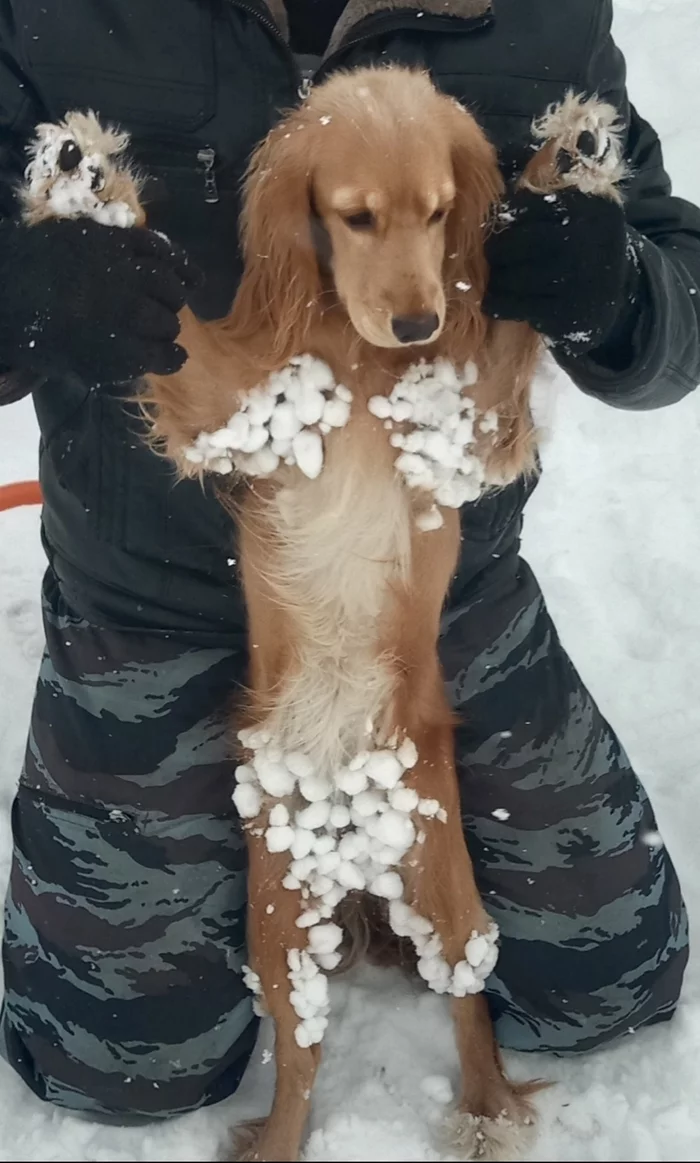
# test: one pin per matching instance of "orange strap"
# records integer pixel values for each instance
(21, 493)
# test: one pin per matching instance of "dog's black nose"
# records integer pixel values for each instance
(414, 328)
(69, 157)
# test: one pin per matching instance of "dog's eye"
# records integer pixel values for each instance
(437, 216)
(364, 220)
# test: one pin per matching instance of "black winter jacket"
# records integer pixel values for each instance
(197, 83)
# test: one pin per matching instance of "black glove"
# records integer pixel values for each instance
(564, 264)
(97, 301)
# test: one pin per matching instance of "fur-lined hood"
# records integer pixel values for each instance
(357, 10)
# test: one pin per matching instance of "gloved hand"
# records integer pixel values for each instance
(97, 301)
(563, 263)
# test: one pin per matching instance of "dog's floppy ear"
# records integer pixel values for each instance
(281, 282)
(479, 188)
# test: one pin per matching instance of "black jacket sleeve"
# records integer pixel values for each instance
(19, 113)
(661, 363)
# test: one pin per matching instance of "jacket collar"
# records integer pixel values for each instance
(357, 11)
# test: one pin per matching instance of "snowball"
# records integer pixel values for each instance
(308, 996)
(314, 788)
(352, 845)
(251, 980)
(471, 374)
(334, 896)
(279, 816)
(367, 803)
(256, 438)
(476, 949)
(324, 844)
(430, 520)
(402, 410)
(380, 407)
(358, 760)
(308, 918)
(315, 816)
(237, 430)
(388, 885)
(325, 938)
(434, 456)
(254, 737)
(302, 843)
(221, 465)
(302, 1037)
(317, 990)
(403, 799)
(274, 777)
(395, 829)
(313, 373)
(310, 406)
(408, 753)
(284, 423)
(429, 807)
(328, 961)
(302, 866)
(389, 857)
(350, 876)
(464, 980)
(320, 886)
(244, 773)
(248, 800)
(336, 413)
(291, 882)
(384, 768)
(405, 922)
(279, 839)
(351, 782)
(299, 764)
(328, 862)
(340, 816)
(308, 451)
(489, 421)
(436, 972)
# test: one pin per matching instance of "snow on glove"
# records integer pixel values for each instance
(97, 301)
(562, 263)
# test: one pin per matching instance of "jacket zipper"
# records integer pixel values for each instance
(207, 160)
(382, 23)
(303, 83)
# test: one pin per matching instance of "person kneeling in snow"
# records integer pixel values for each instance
(124, 936)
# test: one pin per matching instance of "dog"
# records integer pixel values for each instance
(352, 400)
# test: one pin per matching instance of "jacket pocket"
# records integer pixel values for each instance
(157, 69)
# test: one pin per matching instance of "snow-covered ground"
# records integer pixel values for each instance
(614, 534)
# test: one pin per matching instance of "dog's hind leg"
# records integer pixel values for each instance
(280, 965)
(493, 1114)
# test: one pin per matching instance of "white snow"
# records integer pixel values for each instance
(437, 452)
(614, 534)
(276, 423)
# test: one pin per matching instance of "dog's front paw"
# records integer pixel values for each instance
(580, 145)
(78, 170)
(283, 421)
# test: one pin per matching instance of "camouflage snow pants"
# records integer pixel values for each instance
(125, 915)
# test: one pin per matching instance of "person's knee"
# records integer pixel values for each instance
(123, 953)
(568, 1001)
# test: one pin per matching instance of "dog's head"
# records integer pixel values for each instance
(378, 191)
